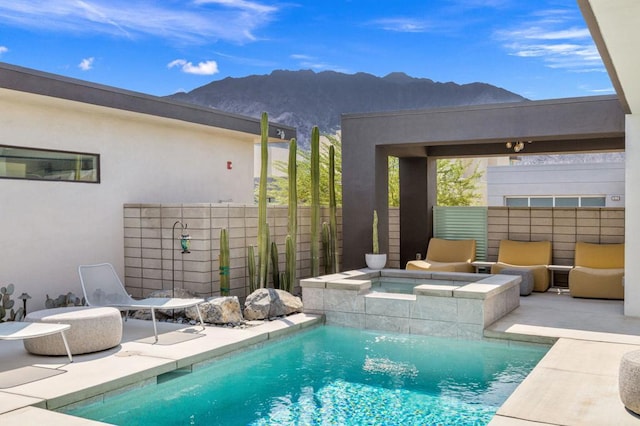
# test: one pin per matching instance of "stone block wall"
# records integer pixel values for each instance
(151, 245)
(148, 240)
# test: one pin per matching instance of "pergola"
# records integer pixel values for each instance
(419, 138)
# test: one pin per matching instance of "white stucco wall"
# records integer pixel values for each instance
(632, 224)
(597, 179)
(49, 228)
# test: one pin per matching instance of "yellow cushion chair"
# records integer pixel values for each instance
(534, 256)
(598, 271)
(447, 256)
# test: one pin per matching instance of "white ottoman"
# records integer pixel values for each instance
(629, 381)
(92, 330)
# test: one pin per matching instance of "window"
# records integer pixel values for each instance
(41, 164)
(587, 201)
(567, 202)
(541, 202)
(516, 202)
(592, 201)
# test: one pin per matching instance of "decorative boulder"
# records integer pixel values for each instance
(268, 303)
(218, 310)
(161, 313)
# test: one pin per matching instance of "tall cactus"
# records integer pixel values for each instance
(315, 200)
(290, 264)
(224, 262)
(376, 246)
(326, 247)
(275, 267)
(333, 222)
(263, 226)
(292, 230)
(251, 265)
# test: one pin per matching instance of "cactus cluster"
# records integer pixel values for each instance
(6, 305)
(63, 300)
(268, 251)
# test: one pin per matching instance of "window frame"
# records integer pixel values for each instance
(95, 156)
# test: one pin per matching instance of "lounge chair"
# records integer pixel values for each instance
(534, 256)
(15, 330)
(447, 255)
(598, 271)
(102, 287)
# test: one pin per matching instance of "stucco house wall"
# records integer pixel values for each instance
(49, 228)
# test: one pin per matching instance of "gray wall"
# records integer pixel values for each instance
(590, 179)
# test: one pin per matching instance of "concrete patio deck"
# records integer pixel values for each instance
(576, 383)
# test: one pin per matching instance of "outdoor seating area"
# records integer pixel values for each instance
(598, 270)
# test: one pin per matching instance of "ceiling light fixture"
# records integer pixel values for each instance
(517, 146)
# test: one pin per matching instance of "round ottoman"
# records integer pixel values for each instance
(526, 285)
(92, 330)
(629, 381)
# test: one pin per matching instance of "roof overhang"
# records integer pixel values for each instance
(588, 124)
(615, 31)
(36, 82)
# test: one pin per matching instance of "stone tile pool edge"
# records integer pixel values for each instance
(442, 304)
(92, 378)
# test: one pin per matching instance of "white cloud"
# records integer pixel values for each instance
(402, 25)
(86, 64)
(200, 21)
(203, 68)
(301, 57)
(553, 37)
(3, 49)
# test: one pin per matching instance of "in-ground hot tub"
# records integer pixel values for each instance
(444, 304)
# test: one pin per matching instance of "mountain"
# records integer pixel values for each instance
(302, 99)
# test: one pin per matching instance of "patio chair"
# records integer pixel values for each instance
(598, 271)
(534, 256)
(102, 287)
(447, 256)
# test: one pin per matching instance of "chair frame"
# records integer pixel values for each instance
(17, 330)
(128, 303)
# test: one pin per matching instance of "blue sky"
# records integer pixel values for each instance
(539, 49)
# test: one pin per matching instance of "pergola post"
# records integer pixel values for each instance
(417, 198)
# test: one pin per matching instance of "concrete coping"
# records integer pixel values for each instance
(489, 286)
(390, 296)
(321, 281)
(349, 284)
(437, 290)
(472, 286)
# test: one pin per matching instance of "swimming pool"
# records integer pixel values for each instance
(333, 375)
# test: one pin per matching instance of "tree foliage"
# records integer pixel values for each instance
(456, 186)
(279, 185)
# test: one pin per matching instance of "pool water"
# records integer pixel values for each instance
(334, 376)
